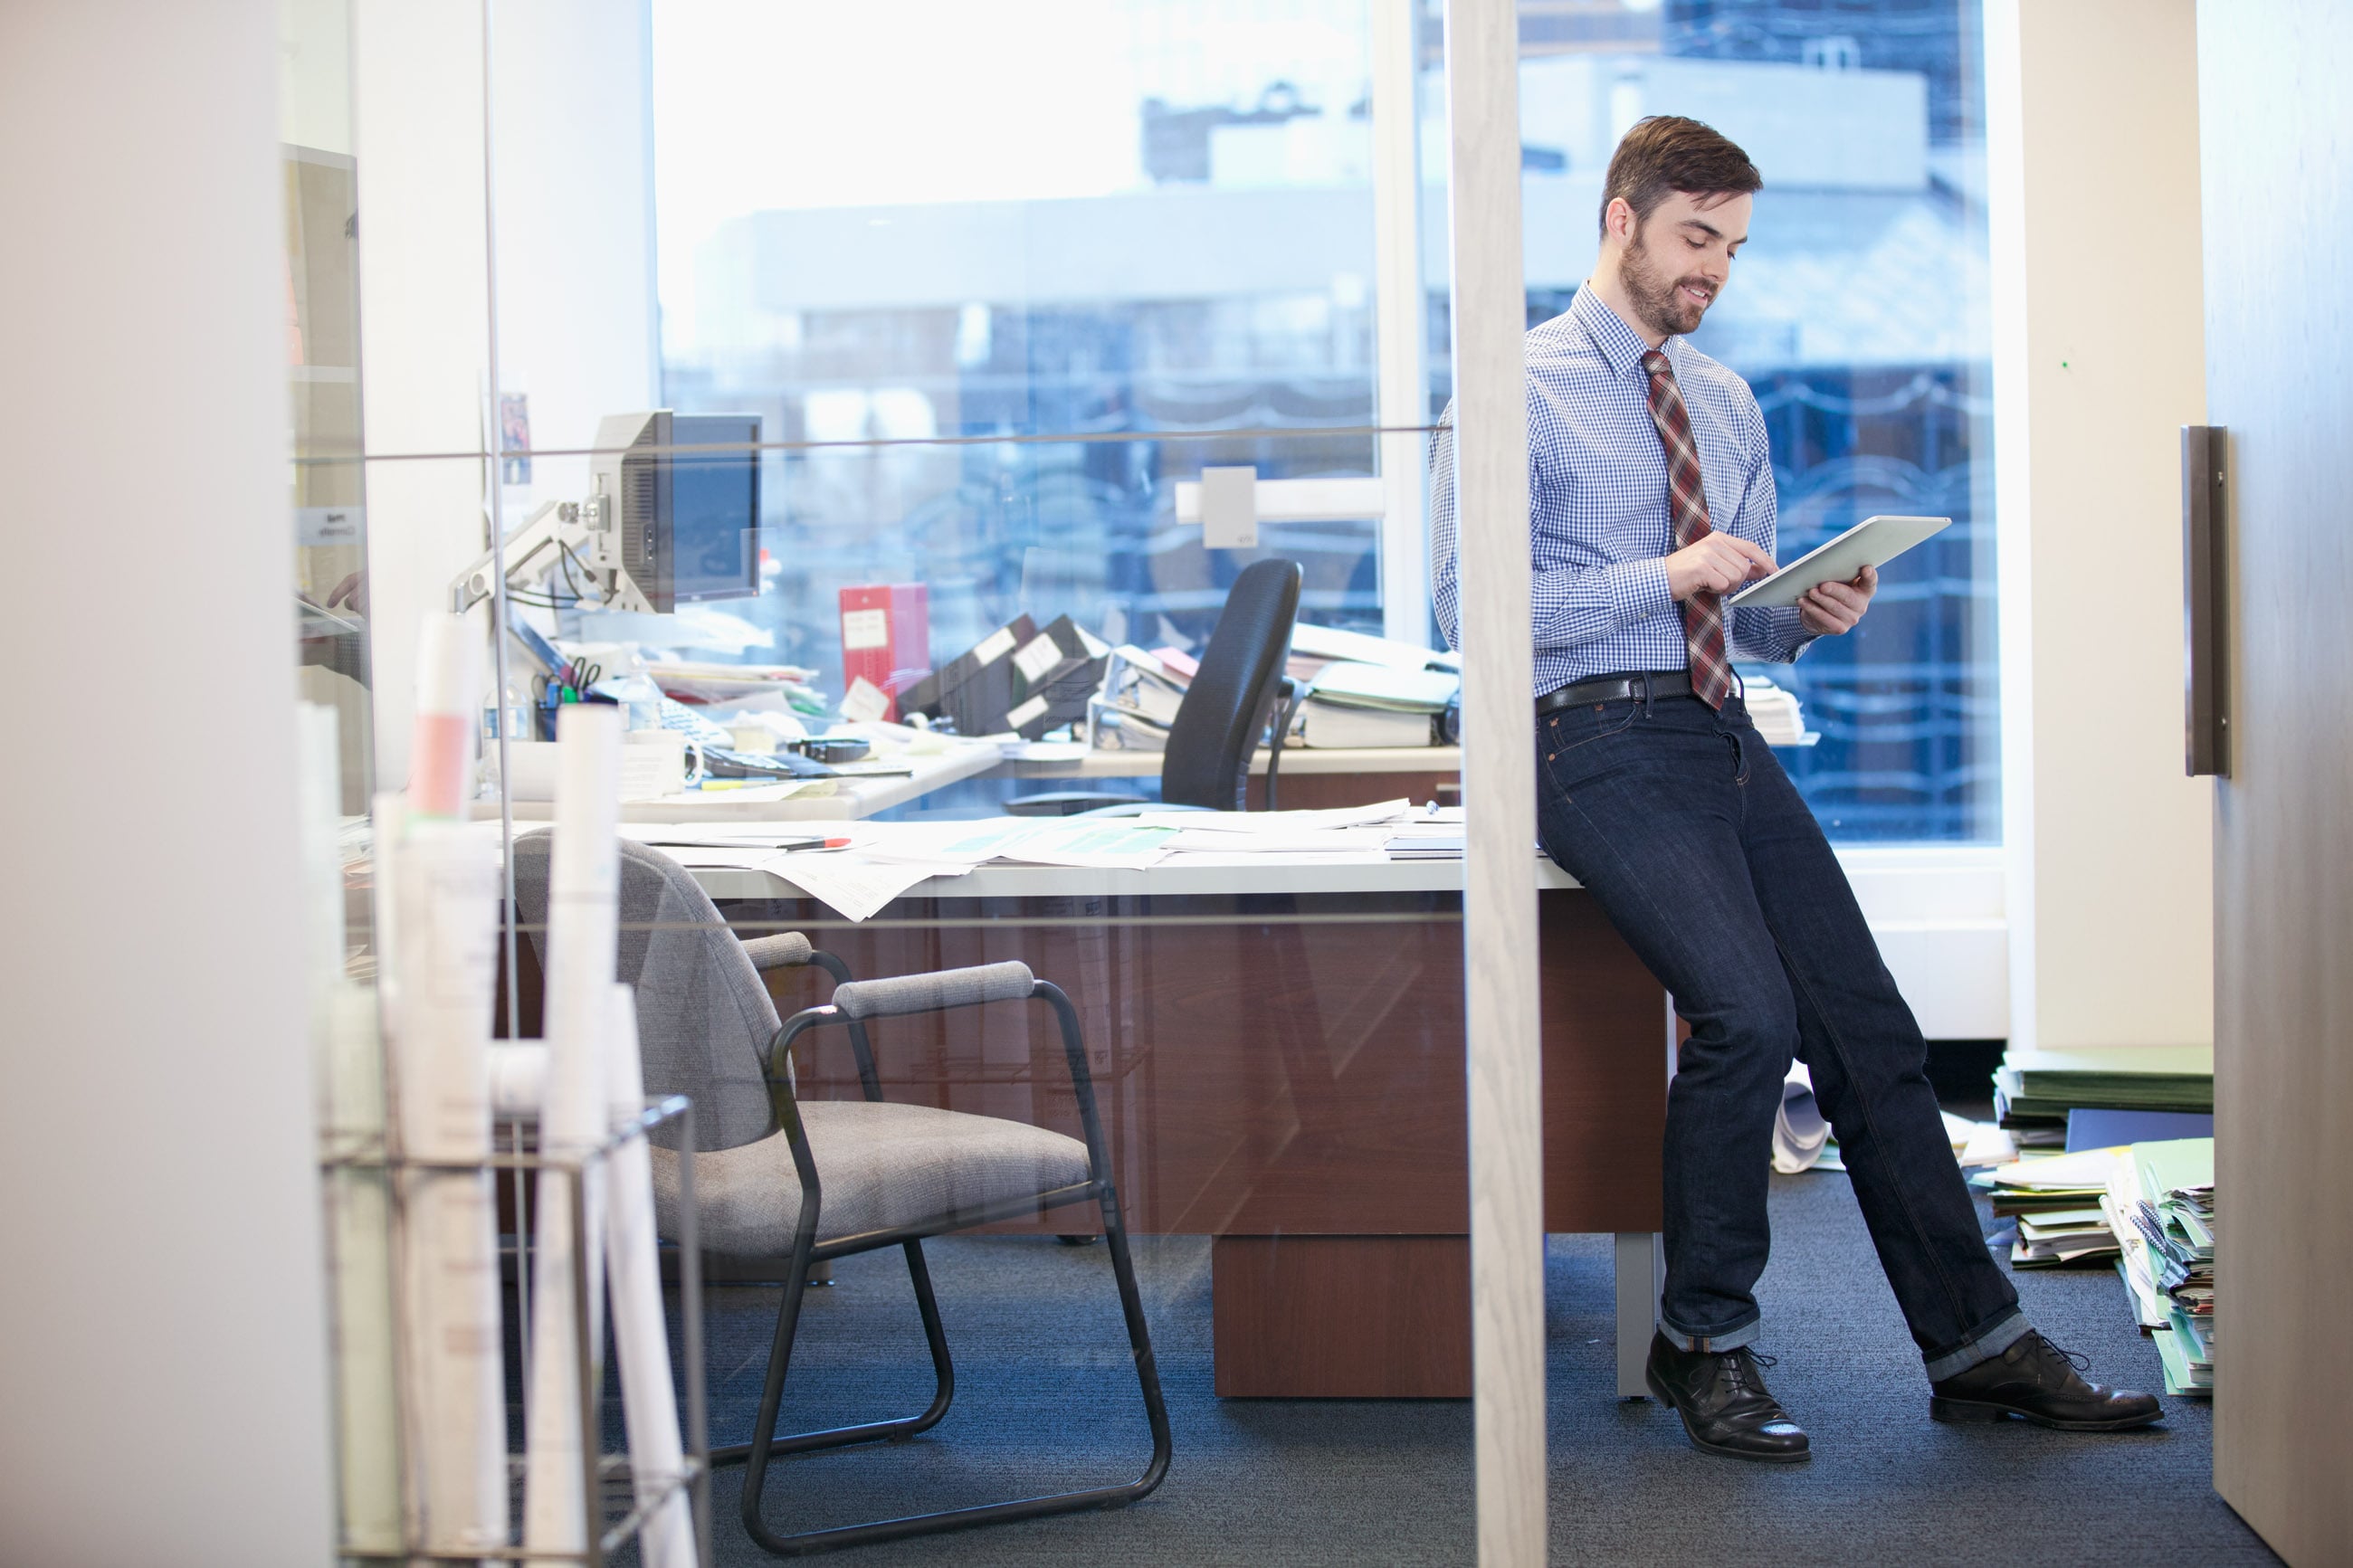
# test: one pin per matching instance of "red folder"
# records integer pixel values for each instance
(886, 637)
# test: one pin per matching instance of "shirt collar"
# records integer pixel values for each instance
(1619, 342)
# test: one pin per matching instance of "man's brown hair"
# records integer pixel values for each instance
(1666, 153)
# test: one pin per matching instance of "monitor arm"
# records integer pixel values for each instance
(582, 529)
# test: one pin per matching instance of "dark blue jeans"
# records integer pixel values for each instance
(1682, 825)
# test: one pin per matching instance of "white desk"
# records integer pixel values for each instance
(1051, 760)
(852, 797)
(1183, 876)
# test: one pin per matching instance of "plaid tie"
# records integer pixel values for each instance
(1710, 671)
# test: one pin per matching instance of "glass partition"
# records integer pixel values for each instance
(859, 444)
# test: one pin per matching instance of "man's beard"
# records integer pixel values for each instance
(1659, 300)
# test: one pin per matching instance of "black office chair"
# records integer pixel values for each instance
(1227, 709)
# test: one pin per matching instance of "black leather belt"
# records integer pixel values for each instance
(1653, 684)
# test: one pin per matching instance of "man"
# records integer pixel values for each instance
(1650, 498)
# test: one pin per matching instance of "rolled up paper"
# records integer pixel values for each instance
(583, 915)
(640, 1336)
(441, 742)
(455, 1403)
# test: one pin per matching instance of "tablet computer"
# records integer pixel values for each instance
(1873, 542)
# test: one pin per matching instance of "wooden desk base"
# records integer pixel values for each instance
(1284, 1073)
(1341, 1317)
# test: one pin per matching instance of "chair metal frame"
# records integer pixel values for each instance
(1099, 1189)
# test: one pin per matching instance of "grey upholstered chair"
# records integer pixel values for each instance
(775, 1176)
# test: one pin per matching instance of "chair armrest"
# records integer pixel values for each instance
(785, 949)
(863, 999)
(854, 1002)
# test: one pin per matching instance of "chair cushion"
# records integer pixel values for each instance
(879, 1166)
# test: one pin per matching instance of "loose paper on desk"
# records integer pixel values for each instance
(852, 885)
(1367, 841)
(640, 1338)
(1117, 845)
(582, 927)
(1277, 822)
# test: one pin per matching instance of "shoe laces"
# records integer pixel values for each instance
(2053, 1350)
(1736, 1366)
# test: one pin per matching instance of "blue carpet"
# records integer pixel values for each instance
(1046, 1402)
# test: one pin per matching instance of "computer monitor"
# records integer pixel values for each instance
(684, 526)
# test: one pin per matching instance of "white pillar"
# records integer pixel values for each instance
(2099, 359)
(162, 1304)
(1499, 900)
(1401, 317)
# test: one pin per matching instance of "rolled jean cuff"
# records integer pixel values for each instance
(1725, 1340)
(1984, 1345)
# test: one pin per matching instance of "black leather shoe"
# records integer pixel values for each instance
(2036, 1381)
(1720, 1396)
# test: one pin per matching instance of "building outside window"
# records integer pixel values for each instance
(1012, 287)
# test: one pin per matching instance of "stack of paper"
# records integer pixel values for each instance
(1140, 696)
(1354, 704)
(2175, 1218)
(2056, 1202)
(1331, 726)
(1312, 647)
(697, 680)
(1774, 710)
(2034, 1090)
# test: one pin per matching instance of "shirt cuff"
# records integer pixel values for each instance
(1638, 590)
(1776, 636)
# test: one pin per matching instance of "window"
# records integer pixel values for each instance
(1014, 287)
(1858, 312)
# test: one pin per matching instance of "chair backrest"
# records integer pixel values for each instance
(1224, 715)
(703, 1014)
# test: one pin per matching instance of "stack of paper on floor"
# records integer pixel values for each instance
(2175, 1217)
(2034, 1090)
(2056, 1201)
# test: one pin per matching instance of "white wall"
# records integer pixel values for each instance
(574, 307)
(2091, 107)
(576, 300)
(417, 68)
(163, 1329)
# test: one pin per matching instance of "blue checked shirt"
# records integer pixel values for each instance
(1599, 527)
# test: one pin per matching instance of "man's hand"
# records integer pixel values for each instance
(1834, 608)
(1715, 564)
(352, 592)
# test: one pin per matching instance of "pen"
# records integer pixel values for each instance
(818, 843)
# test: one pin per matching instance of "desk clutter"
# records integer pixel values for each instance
(865, 865)
(1350, 689)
